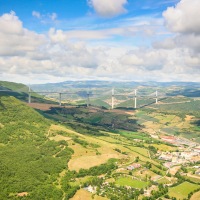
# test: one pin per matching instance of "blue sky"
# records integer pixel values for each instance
(52, 41)
(77, 13)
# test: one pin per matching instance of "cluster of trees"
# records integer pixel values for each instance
(148, 165)
(156, 194)
(153, 149)
(98, 170)
(84, 129)
(120, 151)
(87, 120)
(114, 192)
(85, 143)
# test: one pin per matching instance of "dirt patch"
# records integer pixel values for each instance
(173, 170)
(188, 117)
(22, 194)
(42, 106)
(85, 195)
(195, 196)
(180, 102)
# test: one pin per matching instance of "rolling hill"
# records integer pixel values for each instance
(20, 91)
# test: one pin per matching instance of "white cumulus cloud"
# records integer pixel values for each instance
(184, 17)
(16, 40)
(184, 21)
(108, 8)
(56, 56)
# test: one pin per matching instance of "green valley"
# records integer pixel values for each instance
(64, 152)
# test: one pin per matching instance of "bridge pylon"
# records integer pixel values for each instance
(135, 106)
(88, 99)
(60, 99)
(112, 99)
(156, 96)
(29, 94)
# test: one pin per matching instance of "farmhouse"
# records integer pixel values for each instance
(197, 172)
(197, 149)
(133, 166)
(91, 189)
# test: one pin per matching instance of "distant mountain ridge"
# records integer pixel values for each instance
(189, 89)
(81, 84)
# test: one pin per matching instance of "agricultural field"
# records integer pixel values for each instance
(83, 195)
(164, 147)
(144, 174)
(140, 150)
(195, 196)
(172, 100)
(186, 107)
(126, 181)
(181, 191)
(164, 180)
(135, 135)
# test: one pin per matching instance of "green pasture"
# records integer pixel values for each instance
(126, 181)
(181, 191)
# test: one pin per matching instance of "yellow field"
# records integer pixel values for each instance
(87, 157)
(195, 196)
(85, 195)
(80, 150)
(143, 173)
(59, 138)
(164, 147)
(171, 120)
(173, 170)
(141, 157)
(109, 139)
(141, 151)
(85, 162)
(166, 118)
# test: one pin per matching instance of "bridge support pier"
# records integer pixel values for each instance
(60, 99)
(156, 96)
(29, 94)
(135, 106)
(29, 97)
(88, 99)
(112, 99)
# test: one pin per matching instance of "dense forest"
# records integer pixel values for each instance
(30, 162)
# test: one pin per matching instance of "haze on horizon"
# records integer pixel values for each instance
(131, 40)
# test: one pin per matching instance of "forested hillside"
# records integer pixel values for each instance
(20, 91)
(30, 162)
(14, 86)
